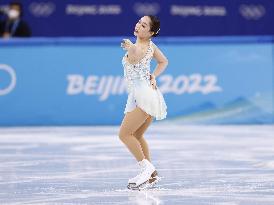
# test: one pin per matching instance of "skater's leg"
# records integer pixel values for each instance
(131, 122)
(139, 134)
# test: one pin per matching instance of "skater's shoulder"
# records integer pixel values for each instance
(154, 46)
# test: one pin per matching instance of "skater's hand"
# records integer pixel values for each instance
(126, 44)
(153, 81)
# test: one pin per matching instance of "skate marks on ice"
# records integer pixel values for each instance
(205, 165)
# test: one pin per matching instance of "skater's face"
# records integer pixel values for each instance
(14, 11)
(142, 28)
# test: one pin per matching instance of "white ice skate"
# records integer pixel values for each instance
(147, 169)
(153, 180)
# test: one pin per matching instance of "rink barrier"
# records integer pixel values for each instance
(72, 81)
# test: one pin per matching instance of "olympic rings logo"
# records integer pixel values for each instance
(146, 8)
(252, 12)
(12, 75)
(42, 9)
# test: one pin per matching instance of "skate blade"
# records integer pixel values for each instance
(145, 185)
(133, 186)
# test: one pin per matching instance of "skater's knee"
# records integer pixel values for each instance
(123, 135)
(138, 136)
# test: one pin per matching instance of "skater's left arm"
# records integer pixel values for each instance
(162, 61)
(161, 65)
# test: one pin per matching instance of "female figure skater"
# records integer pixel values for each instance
(145, 100)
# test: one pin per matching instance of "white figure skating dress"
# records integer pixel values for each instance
(140, 92)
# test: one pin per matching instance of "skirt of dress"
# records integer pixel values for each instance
(150, 100)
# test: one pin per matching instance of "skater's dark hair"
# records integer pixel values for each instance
(154, 25)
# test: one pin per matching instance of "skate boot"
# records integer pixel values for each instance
(143, 178)
(132, 181)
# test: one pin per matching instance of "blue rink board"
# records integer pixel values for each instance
(69, 81)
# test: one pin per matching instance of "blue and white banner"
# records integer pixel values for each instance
(51, 18)
(80, 81)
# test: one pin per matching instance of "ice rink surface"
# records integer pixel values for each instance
(199, 165)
